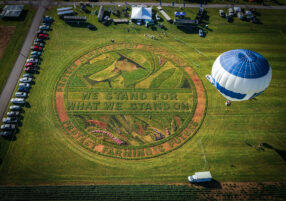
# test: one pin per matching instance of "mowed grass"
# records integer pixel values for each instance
(43, 154)
(15, 44)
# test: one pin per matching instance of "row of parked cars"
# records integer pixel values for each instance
(31, 66)
(245, 15)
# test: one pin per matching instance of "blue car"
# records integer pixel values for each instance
(47, 20)
(7, 133)
(36, 53)
(23, 89)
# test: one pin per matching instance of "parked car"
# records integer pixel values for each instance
(44, 27)
(221, 13)
(25, 80)
(248, 15)
(10, 120)
(15, 108)
(39, 40)
(201, 33)
(36, 53)
(30, 70)
(23, 89)
(240, 15)
(7, 133)
(229, 18)
(158, 18)
(91, 27)
(20, 95)
(43, 36)
(24, 85)
(47, 20)
(8, 127)
(34, 56)
(18, 101)
(13, 114)
(39, 44)
(28, 75)
(36, 48)
(31, 60)
(41, 32)
(29, 64)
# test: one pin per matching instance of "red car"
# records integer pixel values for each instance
(30, 70)
(43, 36)
(37, 48)
(29, 64)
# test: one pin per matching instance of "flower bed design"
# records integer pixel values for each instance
(122, 101)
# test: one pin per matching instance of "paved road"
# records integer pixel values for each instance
(176, 5)
(64, 3)
(20, 62)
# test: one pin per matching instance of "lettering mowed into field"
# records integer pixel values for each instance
(129, 101)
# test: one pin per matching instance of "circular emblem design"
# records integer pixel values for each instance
(129, 101)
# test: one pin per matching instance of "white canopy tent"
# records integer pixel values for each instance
(141, 13)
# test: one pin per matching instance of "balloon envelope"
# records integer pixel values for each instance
(240, 74)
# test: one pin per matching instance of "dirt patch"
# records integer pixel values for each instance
(99, 148)
(124, 65)
(140, 130)
(5, 35)
(199, 112)
(61, 107)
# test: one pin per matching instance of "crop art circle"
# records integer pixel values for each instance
(129, 101)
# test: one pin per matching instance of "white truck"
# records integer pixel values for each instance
(200, 177)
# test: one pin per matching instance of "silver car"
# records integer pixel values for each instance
(20, 101)
(25, 80)
(13, 114)
(8, 127)
(20, 95)
(10, 120)
(25, 85)
(15, 107)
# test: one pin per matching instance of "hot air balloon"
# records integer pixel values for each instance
(240, 74)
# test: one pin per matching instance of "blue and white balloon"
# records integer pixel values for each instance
(240, 74)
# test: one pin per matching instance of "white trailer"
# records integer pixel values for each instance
(200, 177)
(166, 16)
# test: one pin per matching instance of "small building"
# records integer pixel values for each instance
(75, 19)
(141, 13)
(185, 22)
(65, 11)
(12, 11)
(166, 16)
(120, 21)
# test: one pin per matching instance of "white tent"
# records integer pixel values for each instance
(141, 13)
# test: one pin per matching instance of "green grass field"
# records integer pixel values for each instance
(224, 144)
(16, 41)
